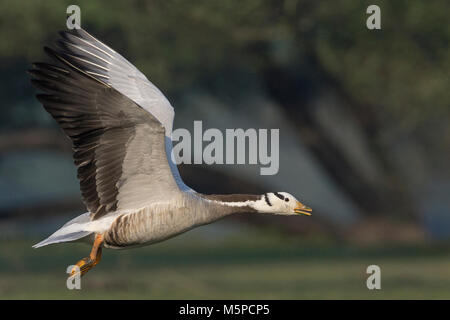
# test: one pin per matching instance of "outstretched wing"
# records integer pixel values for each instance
(106, 65)
(119, 148)
(103, 63)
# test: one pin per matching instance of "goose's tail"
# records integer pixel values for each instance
(71, 231)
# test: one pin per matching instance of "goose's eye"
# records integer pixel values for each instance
(287, 200)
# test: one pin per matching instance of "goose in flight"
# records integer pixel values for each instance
(120, 126)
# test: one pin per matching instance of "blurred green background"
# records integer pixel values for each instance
(364, 140)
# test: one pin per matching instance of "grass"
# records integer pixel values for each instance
(256, 266)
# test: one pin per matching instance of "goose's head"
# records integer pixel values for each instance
(281, 203)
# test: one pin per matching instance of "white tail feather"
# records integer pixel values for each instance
(71, 231)
(62, 238)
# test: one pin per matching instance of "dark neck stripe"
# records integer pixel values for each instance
(267, 199)
(279, 195)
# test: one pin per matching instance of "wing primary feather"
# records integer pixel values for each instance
(119, 147)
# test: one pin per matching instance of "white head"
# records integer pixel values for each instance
(280, 203)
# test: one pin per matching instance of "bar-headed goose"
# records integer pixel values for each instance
(120, 125)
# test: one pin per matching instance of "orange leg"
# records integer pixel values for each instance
(86, 264)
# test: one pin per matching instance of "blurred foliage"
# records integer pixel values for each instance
(401, 70)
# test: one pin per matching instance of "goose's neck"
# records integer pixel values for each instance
(226, 204)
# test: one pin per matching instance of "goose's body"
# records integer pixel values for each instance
(120, 125)
(159, 222)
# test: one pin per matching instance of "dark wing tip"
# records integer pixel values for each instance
(63, 33)
(50, 52)
(55, 55)
(38, 65)
(44, 98)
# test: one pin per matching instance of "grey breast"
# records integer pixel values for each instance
(159, 221)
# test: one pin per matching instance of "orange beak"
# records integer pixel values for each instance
(302, 209)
